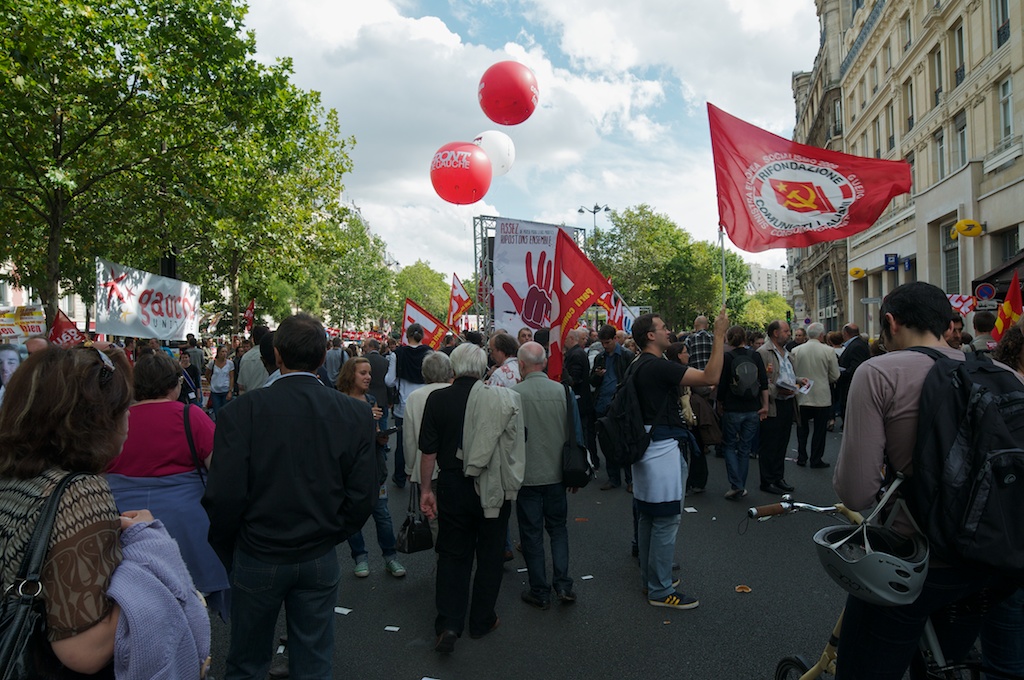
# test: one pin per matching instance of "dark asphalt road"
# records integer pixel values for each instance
(611, 632)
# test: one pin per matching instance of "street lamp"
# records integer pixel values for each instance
(593, 211)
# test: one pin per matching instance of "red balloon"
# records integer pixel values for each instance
(461, 173)
(508, 93)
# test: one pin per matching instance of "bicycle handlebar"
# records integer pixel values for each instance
(787, 505)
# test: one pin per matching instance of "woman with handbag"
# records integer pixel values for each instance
(163, 467)
(64, 419)
(354, 380)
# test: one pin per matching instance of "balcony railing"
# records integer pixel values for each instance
(1003, 34)
(938, 95)
(892, 142)
(910, 123)
(959, 74)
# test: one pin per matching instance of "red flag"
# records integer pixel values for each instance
(775, 193)
(65, 333)
(1011, 309)
(459, 301)
(433, 330)
(578, 285)
(250, 315)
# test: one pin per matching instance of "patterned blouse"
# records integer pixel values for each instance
(84, 547)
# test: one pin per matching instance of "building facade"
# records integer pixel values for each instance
(768, 280)
(933, 82)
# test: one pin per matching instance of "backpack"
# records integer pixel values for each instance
(967, 487)
(621, 432)
(743, 382)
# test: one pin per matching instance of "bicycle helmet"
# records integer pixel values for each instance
(874, 563)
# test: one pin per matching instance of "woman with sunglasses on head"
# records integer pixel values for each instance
(159, 470)
(67, 412)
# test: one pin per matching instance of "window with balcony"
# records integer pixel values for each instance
(960, 140)
(874, 76)
(950, 260)
(1001, 21)
(876, 132)
(913, 170)
(826, 294)
(908, 103)
(1005, 110)
(936, 59)
(890, 126)
(958, 54)
(887, 51)
(907, 30)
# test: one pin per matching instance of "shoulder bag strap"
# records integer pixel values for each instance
(192, 445)
(32, 566)
(414, 499)
(570, 432)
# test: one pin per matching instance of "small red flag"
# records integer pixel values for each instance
(64, 332)
(459, 301)
(775, 193)
(578, 285)
(1011, 309)
(433, 330)
(250, 315)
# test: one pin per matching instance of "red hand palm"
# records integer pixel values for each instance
(535, 307)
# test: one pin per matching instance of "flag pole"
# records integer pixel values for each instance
(721, 242)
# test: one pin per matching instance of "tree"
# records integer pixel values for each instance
(93, 100)
(359, 286)
(424, 286)
(762, 308)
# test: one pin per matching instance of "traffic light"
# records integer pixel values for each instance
(789, 316)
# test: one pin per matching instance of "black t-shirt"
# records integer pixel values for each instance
(443, 418)
(657, 384)
(730, 402)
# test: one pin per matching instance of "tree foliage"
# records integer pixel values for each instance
(762, 308)
(424, 286)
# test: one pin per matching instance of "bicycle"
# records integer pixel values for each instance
(929, 663)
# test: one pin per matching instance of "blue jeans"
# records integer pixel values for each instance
(878, 643)
(385, 532)
(309, 591)
(1002, 637)
(217, 402)
(656, 539)
(738, 431)
(539, 509)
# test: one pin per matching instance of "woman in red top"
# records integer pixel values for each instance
(158, 470)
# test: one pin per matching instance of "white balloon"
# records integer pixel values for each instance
(499, 148)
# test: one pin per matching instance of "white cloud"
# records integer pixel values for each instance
(620, 121)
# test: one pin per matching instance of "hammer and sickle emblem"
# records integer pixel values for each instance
(806, 201)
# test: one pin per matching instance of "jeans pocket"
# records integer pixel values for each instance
(252, 576)
(328, 571)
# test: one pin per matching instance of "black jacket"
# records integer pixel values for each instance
(855, 354)
(295, 472)
(623, 359)
(575, 370)
(378, 370)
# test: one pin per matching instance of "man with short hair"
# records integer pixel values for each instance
(280, 498)
(883, 409)
(817, 363)
(983, 343)
(195, 352)
(335, 358)
(799, 338)
(405, 369)
(742, 409)
(953, 336)
(525, 335)
(606, 376)
(541, 504)
(503, 348)
(378, 374)
(855, 352)
(474, 493)
(776, 428)
(699, 343)
(658, 476)
(252, 375)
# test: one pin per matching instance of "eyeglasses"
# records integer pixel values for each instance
(107, 369)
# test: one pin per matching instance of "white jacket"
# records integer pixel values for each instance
(494, 445)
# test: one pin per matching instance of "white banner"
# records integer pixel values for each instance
(135, 303)
(524, 274)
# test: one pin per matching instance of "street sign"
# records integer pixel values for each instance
(871, 301)
(986, 306)
(985, 291)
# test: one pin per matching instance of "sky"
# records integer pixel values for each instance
(621, 119)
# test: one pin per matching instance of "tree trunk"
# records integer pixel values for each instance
(236, 259)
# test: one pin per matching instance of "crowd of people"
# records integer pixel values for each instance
(258, 460)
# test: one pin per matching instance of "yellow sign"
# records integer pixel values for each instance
(857, 273)
(968, 228)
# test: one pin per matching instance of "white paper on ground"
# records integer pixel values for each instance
(342, 610)
(280, 650)
(690, 509)
(587, 577)
(391, 629)
(520, 571)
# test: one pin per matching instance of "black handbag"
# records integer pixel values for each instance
(415, 535)
(576, 468)
(23, 613)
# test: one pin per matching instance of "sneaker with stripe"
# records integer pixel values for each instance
(676, 600)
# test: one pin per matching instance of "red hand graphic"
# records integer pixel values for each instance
(535, 307)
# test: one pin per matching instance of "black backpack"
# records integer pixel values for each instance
(621, 431)
(743, 382)
(967, 487)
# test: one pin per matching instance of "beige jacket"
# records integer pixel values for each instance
(494, 445)
(817, 362)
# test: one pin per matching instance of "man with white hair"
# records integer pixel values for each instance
(817, 362)
(541, 503)
(472, 508)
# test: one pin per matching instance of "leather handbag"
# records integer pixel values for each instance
(23, 613)
(576, 468)
(415, 535)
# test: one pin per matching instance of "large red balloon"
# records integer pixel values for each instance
(508, 93)
(461, 173)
